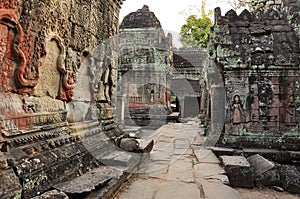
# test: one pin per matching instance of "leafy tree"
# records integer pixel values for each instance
(196, 30)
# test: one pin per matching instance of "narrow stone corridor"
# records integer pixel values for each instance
(179, 168)
(173, 169)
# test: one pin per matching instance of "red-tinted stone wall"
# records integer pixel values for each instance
(56, 62)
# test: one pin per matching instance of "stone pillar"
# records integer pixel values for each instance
(217, 114)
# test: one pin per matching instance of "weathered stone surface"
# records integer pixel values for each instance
(143, 18)
(121, 158)
(129, 144)
(181, 170)
(257, 54)
(290, 178)
(52, 195)
(178, 190)
(266, 172)
(216, 190)
(239, 171)
(206, 156)
(143, 189)
(210, 172)
(269, 178)
(85, 183)
(10, 186)
(260, 164)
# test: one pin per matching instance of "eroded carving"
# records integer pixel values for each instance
(11, 54)
(237, 110)
(68, 75)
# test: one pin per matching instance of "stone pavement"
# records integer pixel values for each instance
(178, 169)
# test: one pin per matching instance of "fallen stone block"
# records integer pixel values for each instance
(129, 144)
(266, 172)
(269, 178)
(290, 177)
(260, 164)
(121, 158)
(239, 171)
(85, 183)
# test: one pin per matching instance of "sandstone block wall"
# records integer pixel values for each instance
(258, 57)
(56, 64)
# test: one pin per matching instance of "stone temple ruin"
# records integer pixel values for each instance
(258, 57)
(154, 79)
(63, 75)
(144, 70)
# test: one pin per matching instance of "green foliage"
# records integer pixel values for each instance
(196, 31)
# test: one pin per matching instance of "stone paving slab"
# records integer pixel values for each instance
(161, 156)
(182, 143)
(141, 189)
(206, 156)
(213, 190)
(177, 190)
(181, 170)
(163, 146)
(188, 151)
(154, 168)
(204, 170)
(172, 162)
(211, 173)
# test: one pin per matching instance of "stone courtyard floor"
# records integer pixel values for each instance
(178, 168)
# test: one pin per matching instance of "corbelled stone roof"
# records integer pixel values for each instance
(189, 58)
(142, 18)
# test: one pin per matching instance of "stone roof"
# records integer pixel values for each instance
(189, 58)
(142, 18)
(188, 86)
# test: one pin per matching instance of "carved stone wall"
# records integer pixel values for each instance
(258, 56)
(56, 63)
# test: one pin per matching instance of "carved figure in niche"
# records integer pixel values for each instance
(290, 107)
(106, 86)
(91, 71)
(11, 36)
(265, 97)
(68, 75)
(253, 104)
(237, 110)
